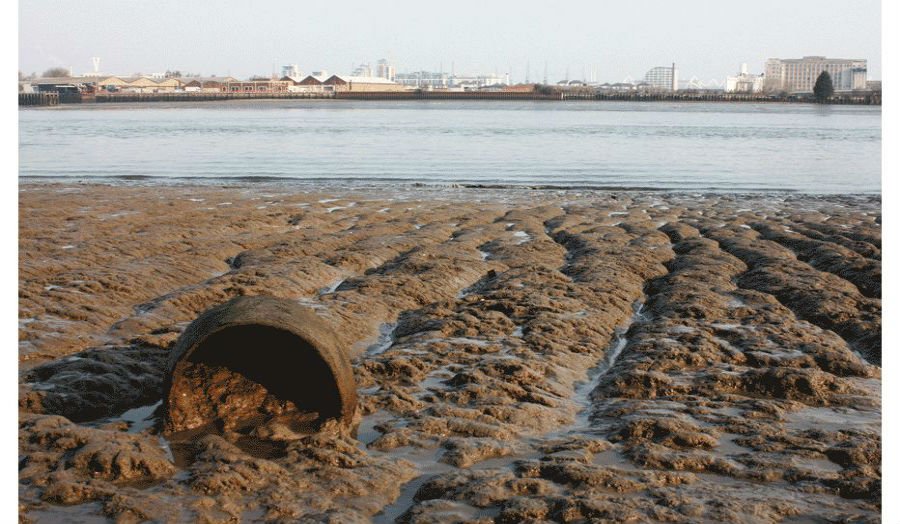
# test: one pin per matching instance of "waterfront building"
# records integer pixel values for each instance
(346, 83)
(314, 83)
(99, 84)
(385, 70)
(205, 84)
(63, 84)
(146, 84)
(662, 78)
(799, 75)
(744, 82)
(255, 86)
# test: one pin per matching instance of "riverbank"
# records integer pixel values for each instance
(53, 99)
(520, 354)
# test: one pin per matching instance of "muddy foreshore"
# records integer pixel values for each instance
(521, 356)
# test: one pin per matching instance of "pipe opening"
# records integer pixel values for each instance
(246, 375)
(258, 371)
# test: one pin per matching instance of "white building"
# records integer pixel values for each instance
(431, 80)
(851, 80)
(292, 71)
(799, 75)
(662, 78)
(744, 82)
(385, 70)
(423, 79)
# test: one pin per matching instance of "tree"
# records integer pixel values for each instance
(823, 88)
(55, 71)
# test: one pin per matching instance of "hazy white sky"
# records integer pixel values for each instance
(706, 39)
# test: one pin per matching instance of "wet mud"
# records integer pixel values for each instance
(520, 356)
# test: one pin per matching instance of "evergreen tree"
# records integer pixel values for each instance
(823, 88)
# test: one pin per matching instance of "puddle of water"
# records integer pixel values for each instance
(385, 339)
(366, 433)
(583, 390)
(833, 419)
(331, 288)
(140, 418)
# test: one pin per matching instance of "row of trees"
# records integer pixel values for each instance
(54, 72)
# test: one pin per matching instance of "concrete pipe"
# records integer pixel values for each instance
(253, 360)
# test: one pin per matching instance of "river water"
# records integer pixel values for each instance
(669, 146)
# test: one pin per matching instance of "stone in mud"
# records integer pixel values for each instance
(669, 432)
(254, 358)
(464, 452)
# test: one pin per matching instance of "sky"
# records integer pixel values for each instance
(706, 39)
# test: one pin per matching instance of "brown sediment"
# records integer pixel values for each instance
(520, 355)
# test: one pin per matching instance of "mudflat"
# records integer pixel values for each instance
(521, 355)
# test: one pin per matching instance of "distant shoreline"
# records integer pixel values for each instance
(403, 184)
(53, 99)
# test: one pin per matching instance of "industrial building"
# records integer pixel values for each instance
(205, 84)
(662, 78)
(255, 86)
(360, 83)
(799, 75)
(94, 84)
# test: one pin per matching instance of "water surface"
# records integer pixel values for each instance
(674, 146)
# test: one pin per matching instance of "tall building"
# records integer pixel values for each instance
(662, 78)
(799, 75)
(385, 70)
(291, 71)
(744, 82)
